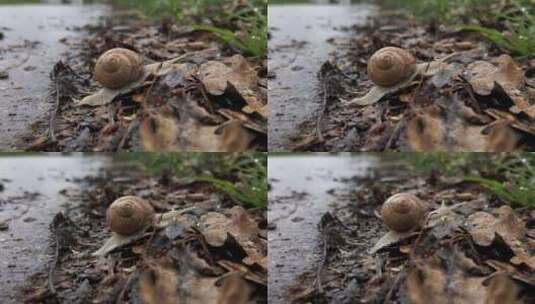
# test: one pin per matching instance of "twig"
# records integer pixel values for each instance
(322, 113)
(133, 125)
(125, 287)
(53, 116)
(200, 237)
(322, 264)
(394, 133)
(394, 287)
(52, 268)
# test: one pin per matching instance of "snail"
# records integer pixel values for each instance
(403, 212)
(391, 65)
(128, 215)
(118, 67)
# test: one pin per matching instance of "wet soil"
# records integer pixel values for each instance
(32, 193)
(32, 43)
(297, 48)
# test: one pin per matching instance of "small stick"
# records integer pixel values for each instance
(51, 287)
(322, 264)
(53, 116)
(321, 114)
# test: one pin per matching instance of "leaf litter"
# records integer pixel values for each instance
(195, 95)
(201, 248)
(472, 248)
(466, 89)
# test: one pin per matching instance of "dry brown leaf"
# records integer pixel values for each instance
(483, 227)
(215, 226)
(159, 285)
(215, 76)
(447, 277)
(512, 271)
(437, 129)
(162, 131)
(235, 290)
(482, 75)
(430, 284)
(502, 290)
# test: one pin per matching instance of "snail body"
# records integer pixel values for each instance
(128, 215)
(390, 66)
(118, 67)
(403, 212)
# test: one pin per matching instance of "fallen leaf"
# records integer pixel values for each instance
(438, 128)
(485, 227)
(440, 279)
(158, 285)
(482, 75)
(216, 75)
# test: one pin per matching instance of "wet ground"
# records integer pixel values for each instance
(300, 195)
(30, 47)
(298, 47)
(29, 200)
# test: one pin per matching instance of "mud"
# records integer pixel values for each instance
(32, 44)
(297, 48)
(31, 197)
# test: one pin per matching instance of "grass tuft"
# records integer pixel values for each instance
(244, 29)
(510, 25)
(241, 176)
(509, 176)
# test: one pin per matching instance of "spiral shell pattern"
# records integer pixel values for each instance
(403, 212)
(391, 65)
(128, 215)
(118, 67)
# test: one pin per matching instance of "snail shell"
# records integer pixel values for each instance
(403, 212)
(391, 65)
(118, 67)
(128, 215)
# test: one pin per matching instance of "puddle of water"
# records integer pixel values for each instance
(292, 93)
(24, 245)
(292, 244)
(32, 34)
